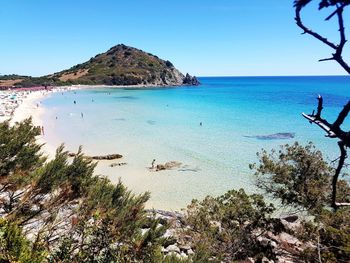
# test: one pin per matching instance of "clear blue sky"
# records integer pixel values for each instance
(202, 37)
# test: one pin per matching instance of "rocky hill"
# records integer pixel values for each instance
(120, 65)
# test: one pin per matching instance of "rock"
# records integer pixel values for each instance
(144, 231)
(100, 157)
(266, 260)
(291, 218)
(190, 252)
(289, 239)
(168, 166)
(169, 233)
(264, 241)
(291, 223)
(173, 248)
(117, 164)
(184, 247)
(107, 157)
(189, 80)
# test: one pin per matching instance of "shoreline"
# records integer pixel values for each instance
(30, 106)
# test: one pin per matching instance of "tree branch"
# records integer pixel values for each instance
(319, 107)
(333, 131)
(339, 50)
(342, 115)
(342, 158)
(337, 56)
(309, 31)
(326, 59)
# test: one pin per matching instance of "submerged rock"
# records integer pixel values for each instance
(168, 166)
(117, 164)
(275, 136)
(100, 157)
(107, 157)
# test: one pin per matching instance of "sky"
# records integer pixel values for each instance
(202, 37)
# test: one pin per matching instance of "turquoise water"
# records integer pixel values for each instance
(164, 124)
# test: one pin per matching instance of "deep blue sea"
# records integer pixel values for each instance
(164, 124)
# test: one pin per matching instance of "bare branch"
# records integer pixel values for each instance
(331, 15)
(309, 31)
(333, 130)
(337, 56)
(341, 31)
(319, 106)
(326, 59)
(342, 115)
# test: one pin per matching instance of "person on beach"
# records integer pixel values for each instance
(42, 130)
(153, 162)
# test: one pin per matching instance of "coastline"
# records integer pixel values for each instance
(30, 107)
(166, 127)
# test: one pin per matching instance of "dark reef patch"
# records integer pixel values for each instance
(275, 136)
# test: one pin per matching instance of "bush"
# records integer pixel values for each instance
(226, 228)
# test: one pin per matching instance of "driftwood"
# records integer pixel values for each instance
(100, 157)
(333, 130)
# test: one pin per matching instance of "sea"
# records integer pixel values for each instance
(214, 130)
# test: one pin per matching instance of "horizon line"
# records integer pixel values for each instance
(267, 76)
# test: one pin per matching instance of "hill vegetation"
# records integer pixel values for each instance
(120, 65)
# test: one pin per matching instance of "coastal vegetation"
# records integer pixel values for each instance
(120, 65)
(58, 211)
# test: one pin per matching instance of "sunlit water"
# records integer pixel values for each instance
(164, 124)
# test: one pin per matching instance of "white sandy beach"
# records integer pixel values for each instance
(28, 106)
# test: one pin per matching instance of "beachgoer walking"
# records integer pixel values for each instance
(42, 130)
(153, 162)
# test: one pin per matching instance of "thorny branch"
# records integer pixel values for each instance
(337, 55)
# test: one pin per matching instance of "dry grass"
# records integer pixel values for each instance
(9, 82)
(74, 75)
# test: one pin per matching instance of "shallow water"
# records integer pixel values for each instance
(164, 124)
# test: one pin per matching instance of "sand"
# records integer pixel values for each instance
(31, 108)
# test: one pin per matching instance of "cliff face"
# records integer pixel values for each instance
(120, 65)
